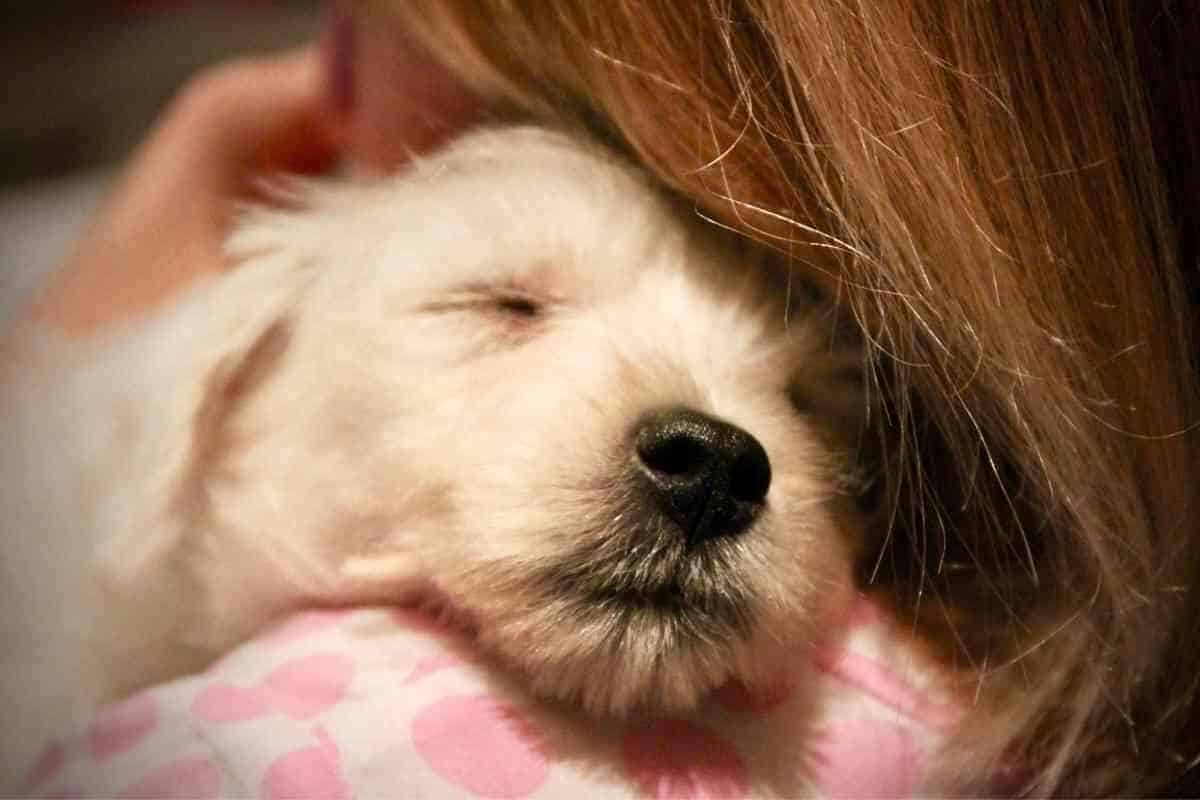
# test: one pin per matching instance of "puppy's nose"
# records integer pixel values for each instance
(708, 476)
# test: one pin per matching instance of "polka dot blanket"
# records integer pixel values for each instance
(384, 703)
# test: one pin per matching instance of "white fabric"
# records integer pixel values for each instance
(384, 703)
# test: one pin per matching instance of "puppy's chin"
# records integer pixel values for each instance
(652, 633)
(622, 658)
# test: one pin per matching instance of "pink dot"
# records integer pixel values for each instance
(49, 763)
(305, 623)
(195, 778)
(481, 746)
(120, 727)
(676, 759)
(308, 772)
(736, 696)
(303, 688)
(222, 702)
(861, 758)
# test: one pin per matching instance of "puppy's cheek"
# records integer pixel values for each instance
(816, 530)
(378, 546)
(524, 492)
(804, 573)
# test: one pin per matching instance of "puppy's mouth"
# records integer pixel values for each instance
(638, 621)
(630, 614)
(651, 577)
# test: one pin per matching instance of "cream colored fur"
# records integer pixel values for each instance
(424, 387)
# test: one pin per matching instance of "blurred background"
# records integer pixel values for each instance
(83, 80)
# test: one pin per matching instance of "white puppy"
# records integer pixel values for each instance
(517, 379)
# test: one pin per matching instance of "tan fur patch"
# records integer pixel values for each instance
(229, 385)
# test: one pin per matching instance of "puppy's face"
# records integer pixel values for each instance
(612, 440)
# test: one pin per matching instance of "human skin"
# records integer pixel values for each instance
(365, 96)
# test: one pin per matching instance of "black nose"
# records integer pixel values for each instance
(708, 476)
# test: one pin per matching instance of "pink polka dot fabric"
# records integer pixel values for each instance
(384, 703)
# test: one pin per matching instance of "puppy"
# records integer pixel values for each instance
(516, 379)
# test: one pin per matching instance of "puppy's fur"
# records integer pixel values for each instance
(430, 386)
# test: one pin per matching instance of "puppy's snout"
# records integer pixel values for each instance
(708, 476)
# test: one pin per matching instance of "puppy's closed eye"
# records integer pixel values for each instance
(503, 302)
(505, 314)
(518, 305)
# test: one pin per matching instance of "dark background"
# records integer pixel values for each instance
(82, 81)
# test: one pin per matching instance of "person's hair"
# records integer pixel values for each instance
(1004, 195)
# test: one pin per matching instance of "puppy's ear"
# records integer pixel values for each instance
(151, 558)
(192, 425)
(234, 379)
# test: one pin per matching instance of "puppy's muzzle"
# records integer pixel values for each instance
(708, 477)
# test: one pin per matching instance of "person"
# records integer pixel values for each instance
(1002, 193)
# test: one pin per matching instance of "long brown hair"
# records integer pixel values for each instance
(1002, 194)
